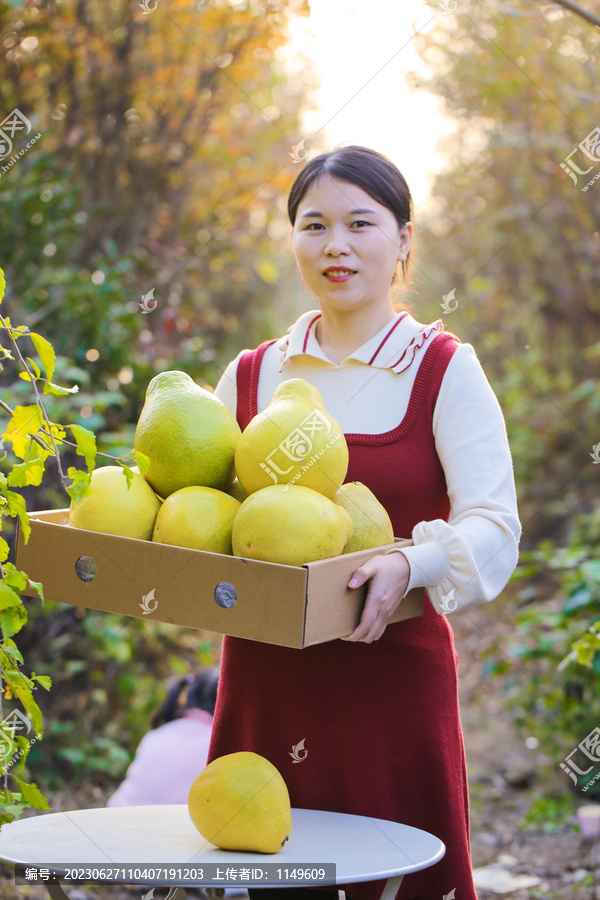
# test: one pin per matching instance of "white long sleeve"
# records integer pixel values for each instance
(470, 558)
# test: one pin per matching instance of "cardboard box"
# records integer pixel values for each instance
(287, 605)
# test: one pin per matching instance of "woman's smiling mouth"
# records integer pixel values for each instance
(338, 274)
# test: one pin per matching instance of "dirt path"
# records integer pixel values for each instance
(505, 778)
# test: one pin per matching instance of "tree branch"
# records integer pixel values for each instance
(576, 8)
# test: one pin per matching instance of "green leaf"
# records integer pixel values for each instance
(46, 353)
(14, 578)
(58, 391)
(32, 796)
(31, 471)
(12, 620)
(36, 368)
(26, 420)
(37, 586)
(143, 462)
(2, 285)
(86, 444)
(4, 548)
(12, 651)
(591, 570)
(16, 507)
(8, 597)
(582, 596)
(128, 473)
(80, 486)
(11, 813)
(44, 680)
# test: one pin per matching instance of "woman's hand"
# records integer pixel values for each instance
(388, 576)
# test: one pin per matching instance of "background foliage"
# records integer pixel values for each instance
(164, 165)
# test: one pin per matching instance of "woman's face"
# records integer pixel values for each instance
(347, 244)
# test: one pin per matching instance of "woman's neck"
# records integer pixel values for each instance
(339, 334)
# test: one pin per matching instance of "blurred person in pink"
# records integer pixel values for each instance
(174, 752)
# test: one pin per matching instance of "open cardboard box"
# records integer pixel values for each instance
(287, 605)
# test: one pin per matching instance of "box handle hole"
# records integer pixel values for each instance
(225, 595)
(85, 568)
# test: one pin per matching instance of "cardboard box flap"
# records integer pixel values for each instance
(325, 620)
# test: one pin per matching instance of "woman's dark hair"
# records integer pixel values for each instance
(201, 694)
(367, 169)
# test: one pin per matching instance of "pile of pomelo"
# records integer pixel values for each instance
(275, 492)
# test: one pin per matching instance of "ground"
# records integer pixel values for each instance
(506, 779)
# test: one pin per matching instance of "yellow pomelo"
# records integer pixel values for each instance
(237, 491)
(187, 433)
(241, 802)
(293, 441)
(113, 508)
(200, 518)
(291, 525)
(372, 524)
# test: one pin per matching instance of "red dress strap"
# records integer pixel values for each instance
(445, 344)
(248, 373)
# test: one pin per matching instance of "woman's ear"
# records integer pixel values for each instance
(406, 233)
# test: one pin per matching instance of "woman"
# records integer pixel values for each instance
(174, 752)
(378, 709)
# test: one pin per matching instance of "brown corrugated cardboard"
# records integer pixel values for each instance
(287, 605)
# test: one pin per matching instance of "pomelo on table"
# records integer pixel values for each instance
(241, 802)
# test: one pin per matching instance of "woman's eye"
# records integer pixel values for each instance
(313, 225)
(361, 222)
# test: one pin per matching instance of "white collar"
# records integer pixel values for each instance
(393, 347)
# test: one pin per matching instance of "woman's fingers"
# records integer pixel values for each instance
(388, 576)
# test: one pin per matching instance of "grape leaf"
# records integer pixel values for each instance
(81, 484)
(46, 353)
(86, 444)
(26, 420)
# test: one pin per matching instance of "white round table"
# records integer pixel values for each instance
(362, 848)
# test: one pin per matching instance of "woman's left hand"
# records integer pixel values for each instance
(388, 576)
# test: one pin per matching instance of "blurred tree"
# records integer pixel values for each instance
(163, 156)
(518, 239)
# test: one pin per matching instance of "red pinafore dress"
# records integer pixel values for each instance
(380, 722)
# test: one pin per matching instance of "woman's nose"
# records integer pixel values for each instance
(336, 244)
